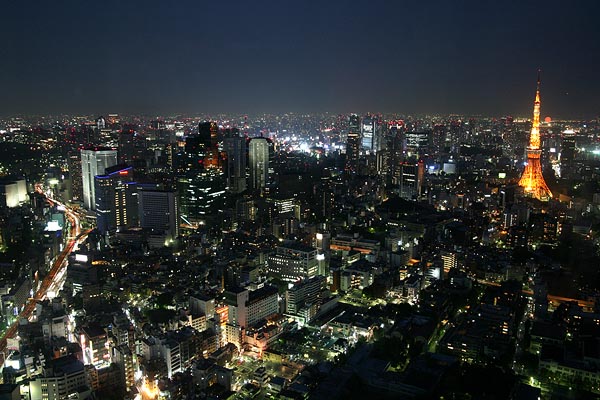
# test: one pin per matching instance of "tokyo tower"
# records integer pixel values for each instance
(532, 180)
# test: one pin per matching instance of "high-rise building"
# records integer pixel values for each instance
(304, 293)
(13, 192)
(567, 154)
(74, 162)
(249, 307)
(158, 210)
(116, 198)
(207, 133)
(259, 163)
(368, 133)
(200, 151)
(132, 146)
(417, 142)
(94, 161)
(200, 182)
(411, 179)
(235, 148)
(532, 180)
(194, 153)
(200, 195)
(353, 143)
(293, 261)
(438, 138)
(100, 123)
(449, 260)
(396, 150)
(123, 358)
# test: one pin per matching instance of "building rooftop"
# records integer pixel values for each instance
(291, 244)
(261, 293)
(64, 365)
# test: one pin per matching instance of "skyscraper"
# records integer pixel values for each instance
(74, 162)
(532, 180)
(158, 210)
(235, 148)
(411, 179)
(259, 163)
(116, 198)
(207, 133)
(200, 180)
(367, 131)
(200, 195)
(132, 146)
(353, 143)
(567, 154)
(94, 161)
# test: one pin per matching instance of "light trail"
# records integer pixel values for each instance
(57, 271)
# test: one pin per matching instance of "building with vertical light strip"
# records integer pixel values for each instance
(94, 161)
(259, 163)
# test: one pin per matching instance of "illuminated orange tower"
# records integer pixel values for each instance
(532, 180)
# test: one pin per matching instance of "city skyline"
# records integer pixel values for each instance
(415, 59)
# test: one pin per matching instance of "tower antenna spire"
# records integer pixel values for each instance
(532, 180)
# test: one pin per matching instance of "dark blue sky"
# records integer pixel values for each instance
(475, 57)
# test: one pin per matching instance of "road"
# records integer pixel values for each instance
(55, 274)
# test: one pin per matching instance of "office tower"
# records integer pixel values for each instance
(116, 198)
(74, 162)
(13, 192)
(532, 180)
(379, 139)
(411, 179)
(396, 148)
(200, 195)
(235, 149)
(292, 261)
(383, 163)
(81, 271)
(567, 154)
(417, 142)
(102, 132)
(304, 293)
(100, 123)
(449, 260)
(368, 133)
(207, 135)
(206, 131)
(158, 210)
(94, 161)
(200, 180)
(132, 147)
(455, 134)
(201, 150)
(259, 163)
(283, 207)
(353, 144)
(194, 154)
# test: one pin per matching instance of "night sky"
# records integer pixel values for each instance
(471, 57)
